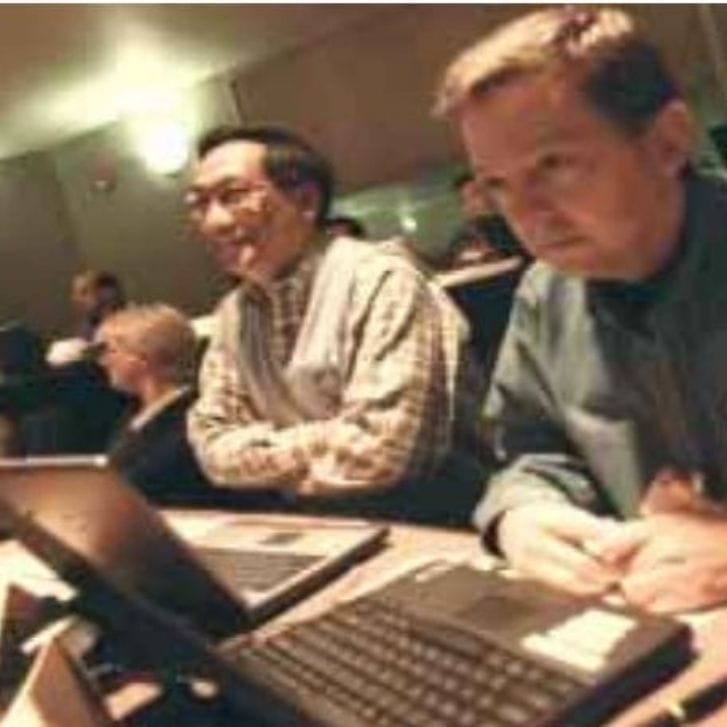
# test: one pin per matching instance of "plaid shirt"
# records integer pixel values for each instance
(399, 407)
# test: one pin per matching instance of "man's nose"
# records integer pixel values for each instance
(528, 207)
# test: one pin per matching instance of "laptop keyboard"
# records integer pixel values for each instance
(376, 665)
(253, 569)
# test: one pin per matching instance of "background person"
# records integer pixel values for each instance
(484, 236)
(149, 352)
(94, 295)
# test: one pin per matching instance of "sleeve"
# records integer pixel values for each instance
(232, 444)
(523, 421)
(392, 421)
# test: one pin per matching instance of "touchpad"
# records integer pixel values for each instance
(499, 611)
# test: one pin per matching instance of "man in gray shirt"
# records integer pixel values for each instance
(608, 406)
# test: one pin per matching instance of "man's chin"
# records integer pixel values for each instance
(254, 277)
(226, 263)
(588, 269)
(571, 259)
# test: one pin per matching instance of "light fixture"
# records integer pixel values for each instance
(163, 145)
(408, 222)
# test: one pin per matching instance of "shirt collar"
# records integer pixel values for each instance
(630, 303)
(149, 412)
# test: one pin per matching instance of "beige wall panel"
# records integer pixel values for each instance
(37, 246)
(364, 96)
(137, 228)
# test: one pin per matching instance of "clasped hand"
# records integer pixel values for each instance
(672, 558)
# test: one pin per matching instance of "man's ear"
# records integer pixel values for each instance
(671, 137)
(307, 198)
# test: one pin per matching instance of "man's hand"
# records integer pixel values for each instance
(680, 563)
(677, 551)
(553, 542)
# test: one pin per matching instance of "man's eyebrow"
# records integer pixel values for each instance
(197, 187)
(482, 175)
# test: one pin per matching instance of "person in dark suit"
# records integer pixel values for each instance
(150, 352)
(94, 295)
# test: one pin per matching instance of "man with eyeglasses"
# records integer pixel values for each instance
(338, 375)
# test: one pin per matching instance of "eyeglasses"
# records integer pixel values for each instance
(232, 196)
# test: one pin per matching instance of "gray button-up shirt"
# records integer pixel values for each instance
(589, 401)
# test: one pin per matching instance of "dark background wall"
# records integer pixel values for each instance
(38, 250)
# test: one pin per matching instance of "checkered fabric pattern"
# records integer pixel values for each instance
(402, 345)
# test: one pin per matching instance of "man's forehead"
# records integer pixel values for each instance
(232, 159)
(529, 113)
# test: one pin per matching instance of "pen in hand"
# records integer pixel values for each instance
(695, 706)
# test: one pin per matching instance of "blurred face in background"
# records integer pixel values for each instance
(125, 368)
(254, 230)
(94, 297)
(83, 294)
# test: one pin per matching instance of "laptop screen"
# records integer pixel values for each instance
(95, 530)
(78, 516)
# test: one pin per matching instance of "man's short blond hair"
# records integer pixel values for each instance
(618, 70)
(159, 334)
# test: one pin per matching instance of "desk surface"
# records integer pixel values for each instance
(408, 546)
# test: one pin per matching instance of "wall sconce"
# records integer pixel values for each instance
(164, 146)
(408, 222)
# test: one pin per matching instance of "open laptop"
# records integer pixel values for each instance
(80, 517)
(444, 644)
(451, 644)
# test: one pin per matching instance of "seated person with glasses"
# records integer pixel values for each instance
(150, 353)
(338, 374)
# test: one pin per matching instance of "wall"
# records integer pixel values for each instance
(136, 226)
(364, 96)
(38, 249)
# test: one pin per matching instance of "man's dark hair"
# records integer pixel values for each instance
(289, 160)
(107, 280)
(354, 228)
(104, 284)
(619, 71)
